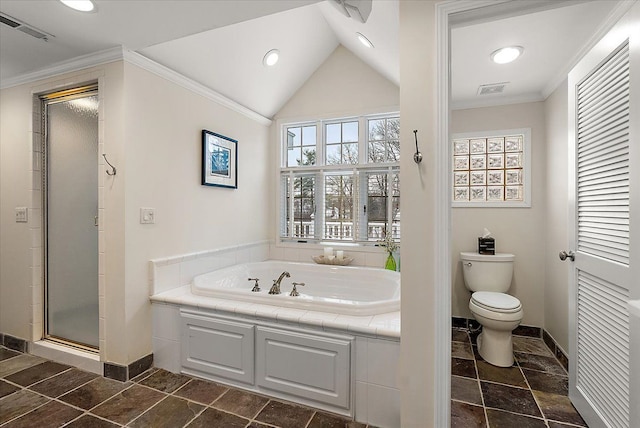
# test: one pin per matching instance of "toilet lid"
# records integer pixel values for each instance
(499, 302)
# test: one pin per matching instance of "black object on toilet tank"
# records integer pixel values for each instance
(486, 246)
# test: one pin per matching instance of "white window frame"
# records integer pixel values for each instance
(526, 169)
(320, 170)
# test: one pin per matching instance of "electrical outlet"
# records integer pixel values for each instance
(21, 215)
(147, 216)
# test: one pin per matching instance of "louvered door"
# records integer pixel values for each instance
(604, 161)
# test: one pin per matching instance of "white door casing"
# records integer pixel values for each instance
(604, 126)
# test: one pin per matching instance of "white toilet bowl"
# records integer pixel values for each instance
(499, 314)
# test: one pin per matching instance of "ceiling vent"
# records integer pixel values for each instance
(492, 88)
(25, 28)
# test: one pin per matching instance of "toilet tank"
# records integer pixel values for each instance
(487, 272)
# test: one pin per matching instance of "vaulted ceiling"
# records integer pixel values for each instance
(220, 44)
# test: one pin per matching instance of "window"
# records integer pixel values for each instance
(344, 188)
(492, 169)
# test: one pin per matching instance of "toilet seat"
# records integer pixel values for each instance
(496, 302)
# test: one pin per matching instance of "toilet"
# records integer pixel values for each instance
(488, 277)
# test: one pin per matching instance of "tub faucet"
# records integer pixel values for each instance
(275, 288)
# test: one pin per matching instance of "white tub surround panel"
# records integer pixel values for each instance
(171, 272)
(319, 359)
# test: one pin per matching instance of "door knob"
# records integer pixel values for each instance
(564, 255)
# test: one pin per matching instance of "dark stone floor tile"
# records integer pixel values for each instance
(458, 335)
(18, 363)
(540, 362)
(94, 393)
(553, 424)
(6, 388)
(7, 353)
(170, 412)
(255, 424)
(462, 367)
(217, 418)
(476, 354)
(240, 403)
(499, 419)
(507, 375)
(53, 414)
(530, 345)
(467, 390)
(19, 403)
(285, 415)
(128, 404)
(90, 421)
(547, 382)
(201, 391)
(165, 381)
(37, 373)
(511, 399)
(558, 408)
(461, 350)
(465, 415)
(324, 420)
(63, 382)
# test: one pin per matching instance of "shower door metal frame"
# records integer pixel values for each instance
(46, 100)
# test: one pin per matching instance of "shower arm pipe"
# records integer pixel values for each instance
(113, 168)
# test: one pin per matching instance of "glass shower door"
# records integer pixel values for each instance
(71, 201)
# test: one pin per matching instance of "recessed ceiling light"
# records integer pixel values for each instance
(507, 54)
(81, 5)
(364, 40)
(271, 57)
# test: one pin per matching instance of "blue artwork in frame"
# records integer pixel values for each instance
(219, 160)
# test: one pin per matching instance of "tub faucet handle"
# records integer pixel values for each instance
(294, 292)
(256, 287)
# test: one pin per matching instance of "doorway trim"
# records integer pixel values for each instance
(87, 360)
(448, 14)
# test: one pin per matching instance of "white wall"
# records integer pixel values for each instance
(163, 168)
(342, 85)
(151, 131)
(556, 290)
(518, 231)
(419, 195)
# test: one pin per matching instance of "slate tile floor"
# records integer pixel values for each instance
(530, 394)
(35, 392)
(38, 393)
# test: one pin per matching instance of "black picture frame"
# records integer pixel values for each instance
(219, 160)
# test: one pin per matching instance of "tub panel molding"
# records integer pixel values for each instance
(310, 366)
(218, 347)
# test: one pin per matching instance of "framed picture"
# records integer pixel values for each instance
(219, 160)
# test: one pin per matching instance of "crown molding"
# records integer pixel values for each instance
(121, 53)
(495, 101)
(75, 64)
(191, 85)
(614, 16)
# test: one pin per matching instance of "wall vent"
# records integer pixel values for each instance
(492, 88)
(25, 28)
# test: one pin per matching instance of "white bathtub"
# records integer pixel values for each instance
(335, 289)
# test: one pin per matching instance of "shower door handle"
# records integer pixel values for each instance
(95, 221)
(567, 255)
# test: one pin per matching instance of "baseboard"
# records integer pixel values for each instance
(522, 330)
(125, 373)
(14, 343)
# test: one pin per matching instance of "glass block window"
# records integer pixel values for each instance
(491, 169)
(339, 180)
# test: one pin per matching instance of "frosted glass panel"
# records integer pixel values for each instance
(72, 234)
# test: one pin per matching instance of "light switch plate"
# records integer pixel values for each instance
(147, 216)
(22, 215)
